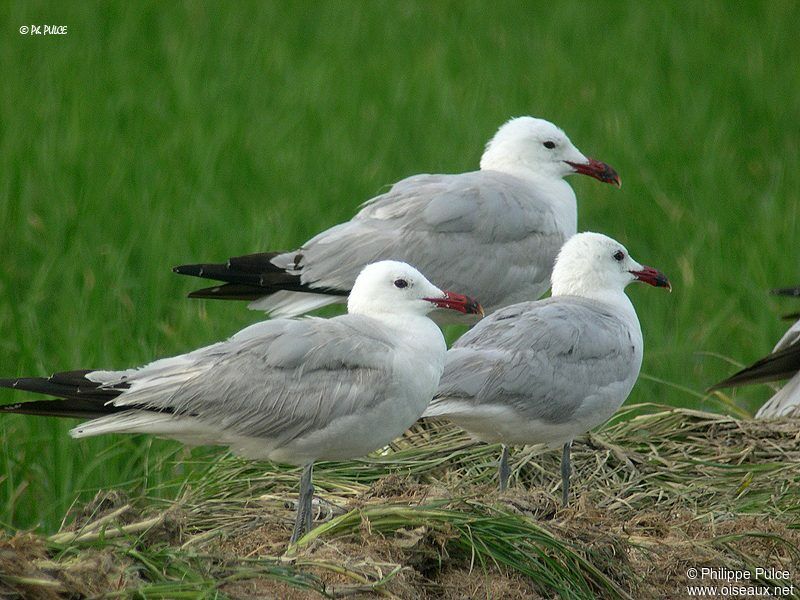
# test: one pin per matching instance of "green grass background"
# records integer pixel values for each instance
(156, 133)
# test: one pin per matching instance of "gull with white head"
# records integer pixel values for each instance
(544, 372)
(293, 391)
(493, 233)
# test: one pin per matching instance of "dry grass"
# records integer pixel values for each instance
(653, 495)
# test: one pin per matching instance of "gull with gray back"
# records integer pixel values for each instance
(544, 372)
(293, 391)
(492, 233)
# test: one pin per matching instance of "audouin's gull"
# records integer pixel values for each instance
(293, 391)
(492, 233)
(547, 371)
(782, 363)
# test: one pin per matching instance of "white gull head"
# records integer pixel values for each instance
(593, 265)
(534, 147)
(393, 287)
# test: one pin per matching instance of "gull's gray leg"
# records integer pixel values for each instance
(309, 501)
(565, 473)
(505, 471)
(303, 519)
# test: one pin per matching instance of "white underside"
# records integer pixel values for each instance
(188, 430)
(500, 425)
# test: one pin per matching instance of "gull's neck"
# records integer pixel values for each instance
(519, 169)
(411, 321)
(414, 329)
(615, 300)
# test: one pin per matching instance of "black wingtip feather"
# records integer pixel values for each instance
(230, 291)
(195, 270)
(69, 407)
(254, 269)
(250, 277)
(778, 365)
(66, 384)
(789, 291)
(79, 397)
(246, 266)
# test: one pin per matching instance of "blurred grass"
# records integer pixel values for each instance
(154, 134)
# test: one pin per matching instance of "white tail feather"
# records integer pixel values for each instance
(445, 406)
(286, 304)
(188, 430)
(785, 403)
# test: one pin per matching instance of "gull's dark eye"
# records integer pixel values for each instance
(549, 145)
(400, 283)
(619, 255)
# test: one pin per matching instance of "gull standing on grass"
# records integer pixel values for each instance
(782, 363)
(544, 372)
(492, 233)
(293, 391)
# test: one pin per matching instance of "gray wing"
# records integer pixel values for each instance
(276, 380)
(483, 233)
(540, 358)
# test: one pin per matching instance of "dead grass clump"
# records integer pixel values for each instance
(463, 584)
(29, 570)
(653, 495)
(18, 557)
